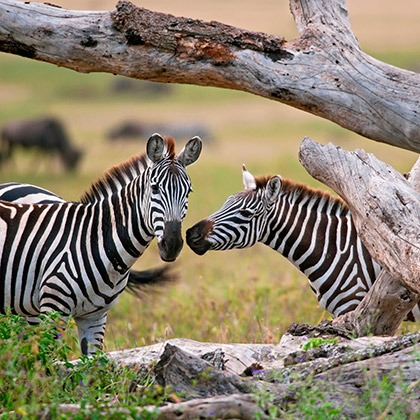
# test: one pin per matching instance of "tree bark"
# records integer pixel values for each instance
(387, 303)
(386, 211)
(323, 72)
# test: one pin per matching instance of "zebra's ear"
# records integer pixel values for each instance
(191, 151)
(155, 147)
(248, 179)
(273, 189)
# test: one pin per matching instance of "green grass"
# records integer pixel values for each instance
(35, 375)
(250, 295)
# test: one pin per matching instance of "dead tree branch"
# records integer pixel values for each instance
(388, 302)
(323, 72)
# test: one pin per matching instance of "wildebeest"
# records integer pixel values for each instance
(46, 134)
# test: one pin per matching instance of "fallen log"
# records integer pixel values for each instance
(281, 377)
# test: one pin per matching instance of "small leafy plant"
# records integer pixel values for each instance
(317, 342)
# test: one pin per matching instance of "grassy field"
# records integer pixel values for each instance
(237, 296)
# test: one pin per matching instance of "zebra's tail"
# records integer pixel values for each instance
(141, 282)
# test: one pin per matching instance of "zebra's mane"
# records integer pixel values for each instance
(291, 187)
(120, 175)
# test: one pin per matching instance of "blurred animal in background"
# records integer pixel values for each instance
(137, 130)
(128, 130)
(145, 88)
(46, 134)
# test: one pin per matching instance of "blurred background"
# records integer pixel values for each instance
(236, 296)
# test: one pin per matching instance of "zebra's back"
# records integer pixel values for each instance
(27, 193)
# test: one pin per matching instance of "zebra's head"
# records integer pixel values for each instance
(240, 220)
(170, 186)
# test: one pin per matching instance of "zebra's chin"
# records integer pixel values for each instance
(200, 249)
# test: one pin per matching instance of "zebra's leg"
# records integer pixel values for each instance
(91, 332)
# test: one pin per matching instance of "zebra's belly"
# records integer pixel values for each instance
(77, 294)
(60, 289)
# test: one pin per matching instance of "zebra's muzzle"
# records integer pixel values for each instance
(196, 237)
(170, 244)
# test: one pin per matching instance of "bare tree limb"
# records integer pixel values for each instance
(339, 372)
(323, 72)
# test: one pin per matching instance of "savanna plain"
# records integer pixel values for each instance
(250, 295)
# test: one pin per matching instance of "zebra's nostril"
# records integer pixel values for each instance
(196, 236)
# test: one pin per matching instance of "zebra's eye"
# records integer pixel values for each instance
(155, 188)
(246, 213)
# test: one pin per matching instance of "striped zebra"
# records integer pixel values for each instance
(139, 281)
(74, 258)
(312, 229)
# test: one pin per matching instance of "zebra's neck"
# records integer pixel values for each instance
(315, 232)
(116, 178)
(300, 223)
(126, 225)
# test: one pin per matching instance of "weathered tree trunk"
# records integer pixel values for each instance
(323, 72)
(388, 302)
(386, 212)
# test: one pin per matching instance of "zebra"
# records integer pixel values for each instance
(74, 258)
(139, 281)
(311, 228)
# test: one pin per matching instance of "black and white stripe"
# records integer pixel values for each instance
(75, 257)
(27, 194)
(310, 228)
